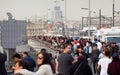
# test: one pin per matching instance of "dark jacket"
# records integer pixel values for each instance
(3, 58)
(84, 69)
(95, 55)
(31, 62)
(114, 67)
(115, 49)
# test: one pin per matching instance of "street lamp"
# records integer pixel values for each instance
(89, 18)
(113, 13)
(65, 16)
(89, 24)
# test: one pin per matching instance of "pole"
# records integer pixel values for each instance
(100, 18)
(63, 29)
(89, 21)
(113, 12)
(65, 25)
(82, 23)
(73, 29)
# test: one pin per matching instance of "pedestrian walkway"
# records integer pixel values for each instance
(37, 46)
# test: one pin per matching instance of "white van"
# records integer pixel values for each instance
(112, 39)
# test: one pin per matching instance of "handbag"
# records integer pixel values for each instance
(77, 68)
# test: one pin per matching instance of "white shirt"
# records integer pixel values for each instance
(104, 62)
(43, 70)
(99, 46)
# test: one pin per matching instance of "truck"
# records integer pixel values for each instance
(109, 34)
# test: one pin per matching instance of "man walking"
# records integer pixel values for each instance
(64, 61)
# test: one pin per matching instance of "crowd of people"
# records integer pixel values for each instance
(98, 55)
(73, 57)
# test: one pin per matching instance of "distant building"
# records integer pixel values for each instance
(58, 14)
(13, 33)
(34, 29)
(58, 24)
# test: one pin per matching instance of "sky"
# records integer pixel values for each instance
(22, 9)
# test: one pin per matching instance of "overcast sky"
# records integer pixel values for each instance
(22, 9)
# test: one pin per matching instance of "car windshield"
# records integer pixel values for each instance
(113, 39)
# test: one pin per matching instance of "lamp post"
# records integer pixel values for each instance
(89, 18)
(113, 12)
(65, 17)
(65, 23)
(89, 24)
